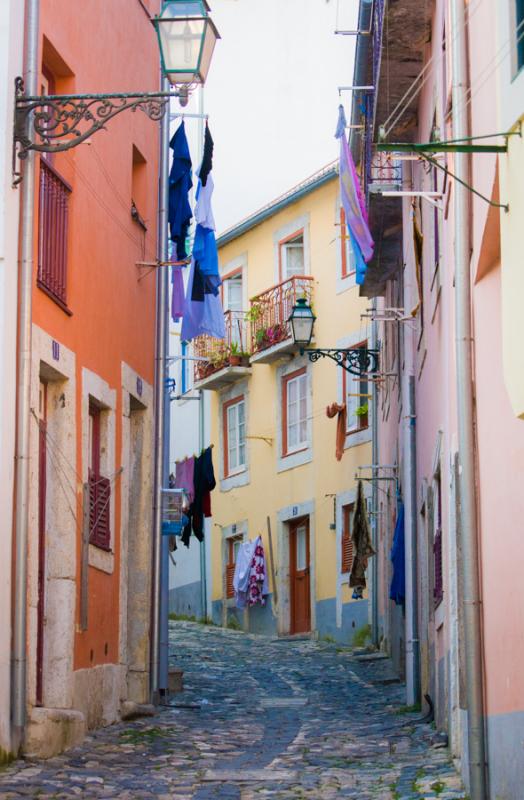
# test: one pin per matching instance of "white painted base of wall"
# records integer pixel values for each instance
(52, 730)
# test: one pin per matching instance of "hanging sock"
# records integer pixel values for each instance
(207, 160)
(180, 183)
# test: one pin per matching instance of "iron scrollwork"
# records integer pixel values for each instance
(54, 123)
(358, 360)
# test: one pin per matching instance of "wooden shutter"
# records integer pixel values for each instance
(347, 542)
(438, 590)
(99, 511)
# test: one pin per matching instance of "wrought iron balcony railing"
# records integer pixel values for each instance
(270, 311)
(232, 351)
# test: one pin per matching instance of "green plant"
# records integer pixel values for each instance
(409, 709)
(362, 410)
(234, 349)
(254, 313)
(438, 787)
(233, 624)
(362, 636)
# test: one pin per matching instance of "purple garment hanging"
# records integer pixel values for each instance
(185, 477)
(177, 296)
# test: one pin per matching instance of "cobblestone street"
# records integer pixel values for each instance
(258, 718)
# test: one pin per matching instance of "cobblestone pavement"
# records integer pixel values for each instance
(259, 718)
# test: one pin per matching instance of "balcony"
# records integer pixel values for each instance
(271, 336)
(385, 173)
(227, 360)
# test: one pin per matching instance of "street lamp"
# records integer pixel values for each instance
(356, 360)
(187, 37)
(54, 123)
(302, 321)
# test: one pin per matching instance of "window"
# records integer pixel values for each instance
(139, 188)
(294, 401)
(232, 295)
(99, 487)
(519, 35)
(291, 254)
(234, 437)
(347, 543)
(53, 233)
(346, 250)
(186, 368)
(355, 393)
(233, 546)
(438, 585)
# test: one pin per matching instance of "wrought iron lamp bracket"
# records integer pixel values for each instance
(358, 360)
(55, 123)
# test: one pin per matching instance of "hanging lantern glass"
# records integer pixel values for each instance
(302, 321)
(187, 38)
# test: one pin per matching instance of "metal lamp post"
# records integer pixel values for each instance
(356, 360)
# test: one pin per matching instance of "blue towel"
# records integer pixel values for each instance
(397, 590)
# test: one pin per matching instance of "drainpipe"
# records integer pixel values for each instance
(19, 688)
(412, 636)
(374, 489)
(160, 375)
(468, 523)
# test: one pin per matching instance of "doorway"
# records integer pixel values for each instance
(299, 576)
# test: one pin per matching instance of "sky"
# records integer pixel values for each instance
(272, 96)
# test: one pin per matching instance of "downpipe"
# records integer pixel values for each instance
(374, 490)
(160, 389)
(468, 522)
(19, 662)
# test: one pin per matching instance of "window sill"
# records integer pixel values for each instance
(355, 438)
(103, 560)
(296, 459)
(54, 298)
(229, 482)
(295, 452)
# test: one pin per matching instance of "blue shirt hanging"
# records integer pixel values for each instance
(397, 591)
(180, 183)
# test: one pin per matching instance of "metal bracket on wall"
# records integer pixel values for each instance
(55, 123)
(465, 145)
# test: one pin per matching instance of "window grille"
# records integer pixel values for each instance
(53, 228)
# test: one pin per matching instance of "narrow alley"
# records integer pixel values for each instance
(259, 717)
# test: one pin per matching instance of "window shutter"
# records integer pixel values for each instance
(99, 511)
(230, 572)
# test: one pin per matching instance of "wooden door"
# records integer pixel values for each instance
(299, 574)
(42, 496)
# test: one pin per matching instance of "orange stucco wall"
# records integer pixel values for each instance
(104, 47)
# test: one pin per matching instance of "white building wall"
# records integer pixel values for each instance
(11, 65)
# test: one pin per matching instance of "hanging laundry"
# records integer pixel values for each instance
(341, 410)
(353, 201)
(204, 482)
(184, 477)
(207, 160)
(258, 589)
(361, 536)
(203, 210)
(397, 590)
(180, 183)
(177, 294)
(203, 312)
(250, 582)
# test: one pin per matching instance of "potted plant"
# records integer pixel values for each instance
(244, 358)
(362, 411)
(235, 358)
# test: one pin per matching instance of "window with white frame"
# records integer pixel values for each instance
(292, 256)
(294, 401)
(518, 47)
(234, 436)
(355, 391)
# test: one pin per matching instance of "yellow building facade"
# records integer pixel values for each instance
(274, 446)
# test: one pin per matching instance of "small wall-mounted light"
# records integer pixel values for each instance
(302, 321)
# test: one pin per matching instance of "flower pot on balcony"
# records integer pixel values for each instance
(235, 361)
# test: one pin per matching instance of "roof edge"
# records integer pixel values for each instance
(287, 199)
